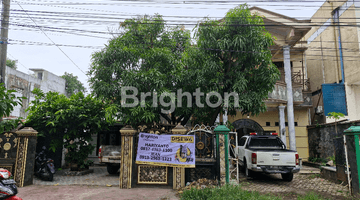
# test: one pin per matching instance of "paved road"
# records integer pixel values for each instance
(93, 186)
(307, 180)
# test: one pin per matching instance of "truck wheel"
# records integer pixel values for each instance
(112, 169)
(287, 177)
(248, 173)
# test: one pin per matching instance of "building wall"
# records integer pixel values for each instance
(353, 99)
(350, 44)
(322, 138)
(272, 116)
(24, 84)
(323, 55)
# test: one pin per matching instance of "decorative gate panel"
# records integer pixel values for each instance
(148, 174)
(8, 149)
(205, 154)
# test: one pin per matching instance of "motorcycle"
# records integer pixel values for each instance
(8, 189)
(44, 167)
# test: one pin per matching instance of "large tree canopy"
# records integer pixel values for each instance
(231, 55)
(147, 55)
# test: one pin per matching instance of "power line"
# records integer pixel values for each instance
(293, 24)
(18, 61)
(22, 42)
(55, 44)
(57, 30)
(289, 3)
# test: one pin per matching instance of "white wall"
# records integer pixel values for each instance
(25, 83)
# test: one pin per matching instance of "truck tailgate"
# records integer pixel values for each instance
(276, 158)
(110, 154)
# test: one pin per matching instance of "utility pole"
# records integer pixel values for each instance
(4, 37)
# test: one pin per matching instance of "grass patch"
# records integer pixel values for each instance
(234, 192)
(224, 192)
(312, 176)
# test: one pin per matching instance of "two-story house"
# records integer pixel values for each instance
(288, 106)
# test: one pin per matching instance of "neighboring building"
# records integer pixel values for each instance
(24, 84)
(333, 60)
(288, 32)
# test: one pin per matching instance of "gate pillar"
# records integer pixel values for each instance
(127, 152)
(222, 151)
(25, 156)
(178, 172)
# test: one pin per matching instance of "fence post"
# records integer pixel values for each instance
(25, 158)
(352, 143)
(127, 148)
(222, 148)
(178, 172)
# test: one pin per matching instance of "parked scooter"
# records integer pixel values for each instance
(44, 167)
(8, 189)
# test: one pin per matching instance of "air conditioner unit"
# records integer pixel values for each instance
(319, 110)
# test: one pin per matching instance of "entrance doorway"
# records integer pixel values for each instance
(247, 126)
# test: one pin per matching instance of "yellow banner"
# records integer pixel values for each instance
(182, 139)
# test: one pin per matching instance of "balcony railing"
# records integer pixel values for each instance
(298, 78)
(300, 89)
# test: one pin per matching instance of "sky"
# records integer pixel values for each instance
(80, 28)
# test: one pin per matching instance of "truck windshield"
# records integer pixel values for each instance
(265, 143)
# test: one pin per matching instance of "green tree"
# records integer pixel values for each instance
(231, 55)
(8, 101)
(69, 121)
(11, 63)
(73, 85)
(147, 55)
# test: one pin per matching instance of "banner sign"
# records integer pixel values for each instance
(166, 150)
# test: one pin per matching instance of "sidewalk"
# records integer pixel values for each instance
(43, 192)
(97, 185)
(99, 177)
(93, 186)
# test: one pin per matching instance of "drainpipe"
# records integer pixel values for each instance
(336, 16)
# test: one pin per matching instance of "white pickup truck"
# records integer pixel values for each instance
(111, 156)
(268, 154)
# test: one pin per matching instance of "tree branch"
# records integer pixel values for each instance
(165, 117)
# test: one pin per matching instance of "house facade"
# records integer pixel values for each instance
(25, 83)
(288, 106)
(333, 61)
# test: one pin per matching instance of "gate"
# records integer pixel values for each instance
(8, 150)
(17, 154)
(205, 153)
(149, 174)
(207, 164)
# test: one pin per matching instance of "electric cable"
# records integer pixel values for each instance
(56, 45)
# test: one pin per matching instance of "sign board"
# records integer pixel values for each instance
(334, 98)
(166, 150)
